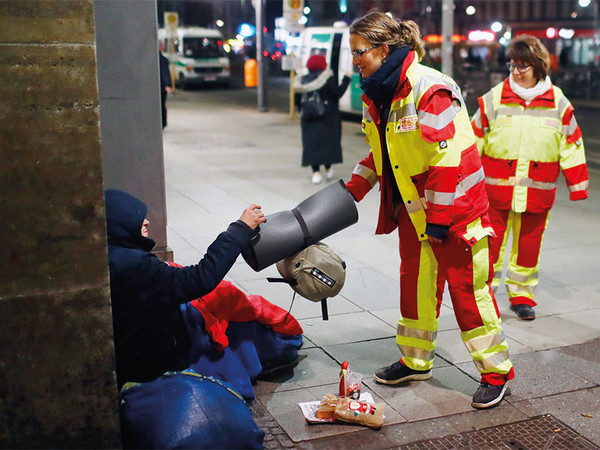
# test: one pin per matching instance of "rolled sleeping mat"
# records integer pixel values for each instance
(287, 232)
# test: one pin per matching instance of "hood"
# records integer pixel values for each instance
(125, 215)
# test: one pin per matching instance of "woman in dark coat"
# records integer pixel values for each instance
(321, 136)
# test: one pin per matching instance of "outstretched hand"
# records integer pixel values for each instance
(253, 216)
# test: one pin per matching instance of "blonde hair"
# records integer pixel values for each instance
(529, 50)
(379, 28)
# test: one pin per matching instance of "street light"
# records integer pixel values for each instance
(470, 10)
(496, 27)
(551, 32)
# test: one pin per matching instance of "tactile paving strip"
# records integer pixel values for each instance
(541, 432)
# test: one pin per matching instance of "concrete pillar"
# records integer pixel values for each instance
(129, 90)
(57, 384)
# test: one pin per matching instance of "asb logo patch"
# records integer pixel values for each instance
(443, 144)
(409, 123)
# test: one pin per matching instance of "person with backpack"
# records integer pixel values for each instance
(317, 96)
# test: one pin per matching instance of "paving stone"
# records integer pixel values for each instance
(352, 327)
(580, 410)
(449, 391)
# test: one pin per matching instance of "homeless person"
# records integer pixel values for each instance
(169, 318)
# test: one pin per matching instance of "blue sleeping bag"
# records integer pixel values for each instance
(253, 349)
(186, 410)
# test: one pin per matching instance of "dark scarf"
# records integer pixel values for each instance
(380, 87)
(382, 84)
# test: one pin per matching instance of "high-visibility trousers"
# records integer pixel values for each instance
(424, 270)
(524, 263)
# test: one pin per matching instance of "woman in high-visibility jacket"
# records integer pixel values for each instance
(526, 132)
(424, 157)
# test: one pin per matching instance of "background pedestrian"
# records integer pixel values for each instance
(321, 133)
(165, 83)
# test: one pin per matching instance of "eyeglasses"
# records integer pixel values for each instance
(362, 51)
(519, 68)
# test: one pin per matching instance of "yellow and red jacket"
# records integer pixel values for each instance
(432, 153)
(524, 147)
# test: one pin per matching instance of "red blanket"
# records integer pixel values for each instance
(226, 303)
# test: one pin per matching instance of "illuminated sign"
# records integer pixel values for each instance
(482, 36)
(438, 38)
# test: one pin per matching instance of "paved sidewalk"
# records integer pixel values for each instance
(222, 155)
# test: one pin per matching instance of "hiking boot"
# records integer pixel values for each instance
(399, 373)
(524, 312)
(488, 395)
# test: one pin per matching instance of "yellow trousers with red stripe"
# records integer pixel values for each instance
(524, 262)
(466, 267)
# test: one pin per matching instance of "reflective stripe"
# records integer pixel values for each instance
(409, 109)
(515, 288)
(579, 186)
(415, 352)
(468, 182)
(491, 362)
(519, 278)
(439, 198)
(549, 113)
(416, 333)
(488, 101)
(477, 119)
(366, 173)
(485, 342)
(570, 129)
(563, 104)
(518, 111)
(520, 181)
(412, 207)
(365, 113)
(427, 81)
(509, 111)
(438, 121)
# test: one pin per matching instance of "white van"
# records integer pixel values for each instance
(334, 44)
(198, 56)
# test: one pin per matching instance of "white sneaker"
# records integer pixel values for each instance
(329, 174)
(317, 178)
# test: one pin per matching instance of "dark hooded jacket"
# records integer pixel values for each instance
(146, 292)
(321, 137)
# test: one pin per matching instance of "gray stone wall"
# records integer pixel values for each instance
(57, 386)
